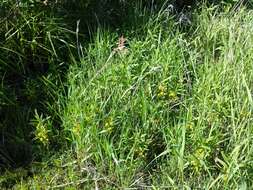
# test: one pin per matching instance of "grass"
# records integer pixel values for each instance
(171, 111)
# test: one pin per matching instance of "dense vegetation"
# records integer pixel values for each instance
(126, 94)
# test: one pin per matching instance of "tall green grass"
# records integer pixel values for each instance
(38, 40)
(172, 111)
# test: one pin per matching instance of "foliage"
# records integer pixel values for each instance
(142, 102)
(33, 56)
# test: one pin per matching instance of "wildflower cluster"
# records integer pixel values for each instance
(197, 159)
(42, 131)
(164, 93)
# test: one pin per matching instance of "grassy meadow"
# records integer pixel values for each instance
(147, 102)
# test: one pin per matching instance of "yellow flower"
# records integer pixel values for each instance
(173, 95)
(161, 91)
(41, 134)
(196, 160)
(77, 129)
(41, 128)
(189, 126)
(140, 152)
(200, 153)
(109, 125)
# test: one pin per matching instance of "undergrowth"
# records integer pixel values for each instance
(155, 106)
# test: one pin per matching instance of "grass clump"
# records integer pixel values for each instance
(166, 110)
